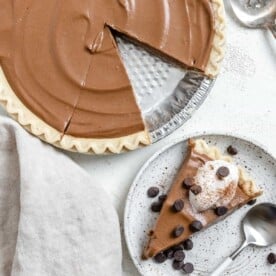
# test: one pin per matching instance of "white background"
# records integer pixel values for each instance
(243, 101)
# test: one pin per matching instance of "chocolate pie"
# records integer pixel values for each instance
(62, 76)
(225, 187)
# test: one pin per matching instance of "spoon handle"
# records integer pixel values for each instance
(222, 267)
(272, 28)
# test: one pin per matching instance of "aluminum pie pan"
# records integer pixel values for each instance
(167, 94)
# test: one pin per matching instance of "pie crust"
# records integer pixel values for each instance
(39, 128)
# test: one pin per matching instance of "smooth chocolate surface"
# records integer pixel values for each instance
(62, 61)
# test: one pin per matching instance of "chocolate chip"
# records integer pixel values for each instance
(188, 268)
(179, 255)
(222, 172)
(252, 202)
(271, 258)
(188, 182)
(153, 192)
(160, 258)
(196, 226)
(196, 189)
(177, 247)
(169, 253)
(221, 211)
(177, 265)
(178, 231)
(156, 206)
(162, 198)
(178, 205)
(231, 150)
(188, 244)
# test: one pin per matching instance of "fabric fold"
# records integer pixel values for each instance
(54, 221)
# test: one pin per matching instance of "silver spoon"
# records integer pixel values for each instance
(261, 14)
(259, 227)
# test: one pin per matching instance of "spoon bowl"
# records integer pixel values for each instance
(254, 17)
(259, 227)
(257, 16)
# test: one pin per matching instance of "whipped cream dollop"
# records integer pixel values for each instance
(215, 191)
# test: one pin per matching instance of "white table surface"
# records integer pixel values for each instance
(243, 101)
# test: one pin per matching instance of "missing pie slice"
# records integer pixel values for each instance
(207, 188)
(62, 76)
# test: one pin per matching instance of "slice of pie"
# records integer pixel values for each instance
(62, 76)
(208, 187)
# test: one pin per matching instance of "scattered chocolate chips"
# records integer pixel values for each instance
(156, 206)
(160, 258)
(177, 265)
(178, 205)
(196, 189)
(271, 258)
(179, 255)
(188, 244)
(153, 192)
(196, 226)
(162, 198)
(252, 202)
(188, 268)
(178, 231)
(188, 182)
(169, 253)
(222, 172)
(221, 211)
(232, 150)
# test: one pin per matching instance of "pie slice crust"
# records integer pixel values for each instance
(199, 153)
(32, 123)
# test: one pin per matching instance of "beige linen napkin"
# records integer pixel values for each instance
(53, 220)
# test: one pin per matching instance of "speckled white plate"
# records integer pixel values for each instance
(214, 244)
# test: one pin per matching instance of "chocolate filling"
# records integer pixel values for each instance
(61, 59)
